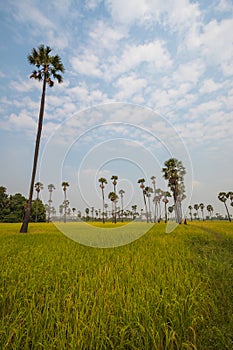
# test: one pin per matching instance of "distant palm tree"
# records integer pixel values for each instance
(222, 196)
(196, 207)
(190, 212)
(61, 207)
(87, 213)
(38, 186)
(157, 198)
(66, 209)
(142, 186)
(165, 200)
(103, 182)
(47, 67)
(134, 211)
(64, 186)
(153, 178)
(114, 179)
(51, 187)
(92, 213)
(73, 211)
(121, 193)
(148, 191)
(113, 197)
(170, 209)
(201, 206)
(210, 209)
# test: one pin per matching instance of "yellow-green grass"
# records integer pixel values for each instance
(163, 291)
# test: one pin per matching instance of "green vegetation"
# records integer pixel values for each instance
(12, 208)
(163, 291)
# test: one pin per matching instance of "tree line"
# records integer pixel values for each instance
(12, 208)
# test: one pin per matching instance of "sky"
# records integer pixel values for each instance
(145, 80)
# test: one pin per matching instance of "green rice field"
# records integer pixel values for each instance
(162, 291)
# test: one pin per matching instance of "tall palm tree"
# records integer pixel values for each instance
(113, 197)
(210, 209)
(64, 186)
(174, 172)
(38, 186)
(142, 186)
(121, 193)
(190, 212)
(222, 196)
(201, 206)
(196, 207)
(153, 180)
(48, 67)
(148, 191)
(103, 182)
(51, 187)
(114, 179)
(157, 198)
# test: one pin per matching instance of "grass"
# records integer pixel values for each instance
(162, 291)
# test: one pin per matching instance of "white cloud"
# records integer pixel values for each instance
(174, 14)
(25, 85)
(105, 36)
(129, 86)
(209, 86)
(87, 64)
(189, 72)
(153, 54)
(58, 39)
(213, 42)
(127, 11)
(22, 121)
(25, 11)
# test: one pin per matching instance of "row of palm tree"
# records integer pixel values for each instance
(200, 206)
(49, 209)
(147, 192)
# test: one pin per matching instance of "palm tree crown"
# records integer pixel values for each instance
(47, 66)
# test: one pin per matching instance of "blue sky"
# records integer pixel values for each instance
(144, 80)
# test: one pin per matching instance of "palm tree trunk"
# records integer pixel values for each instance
(24, 227)
(144, 197)
(122, 208)
(165, 212)
(103, 205)
(65, 206)
(229, 218)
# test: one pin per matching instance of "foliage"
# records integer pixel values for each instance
(163, 291)
(38, 212)
(12, 207)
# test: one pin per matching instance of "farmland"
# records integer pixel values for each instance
(162, 291)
